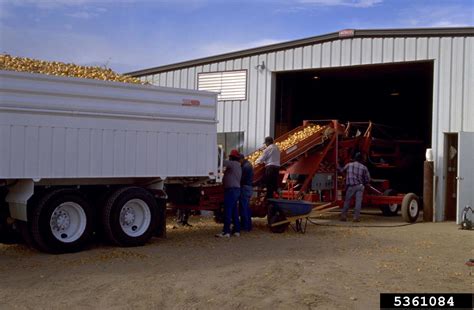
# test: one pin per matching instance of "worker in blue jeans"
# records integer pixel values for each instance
(246, 190)
(231, 181)
(357, 177)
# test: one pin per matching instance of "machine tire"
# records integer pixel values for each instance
(61, 222)
(410, 207)
(130, 217)
(389, 209)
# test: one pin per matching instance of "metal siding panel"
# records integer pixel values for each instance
(191, 78)
(236, 105)
(237, 64)
(346, 52)
(336, 53)
(71, 151)
(107, 163)
(410, 49)
(131, 151)
(191, 147)
(421, 48)
(206, 68)
(32, 149)
(171, 151)
(326, 54)
(213, 67)
(229, 65)
(289, 59)
(119, 152)
(182, 154)
(162, 79)
(253, 94)
(307, 57)
(457, 84)
(220, 116)
(221, 66)
(59, 152)
(151, 154)
(96, 167)
(261, 117)
(268, 97)
(468, 107)
(367, 51)
(297, 58)
(377, 50)
(84, 152)
(356, 52)
(244, 109)
(228, 116)
(162, 150)
(399, 49)
(387, 50)
(5, 137)
(156, 79)
(183, 78)
(169, 79)
(176, 78)
(141, 154)
(17, 155)
(280, 61)
(317, 55)
(445, 84)
(200, 156)
(45, 151)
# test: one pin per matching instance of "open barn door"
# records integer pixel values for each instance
(465, 176)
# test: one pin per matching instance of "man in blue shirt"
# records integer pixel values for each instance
(246, 190)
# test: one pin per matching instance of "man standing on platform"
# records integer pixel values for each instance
(271, 159)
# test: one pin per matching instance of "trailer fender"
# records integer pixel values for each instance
(17, 198)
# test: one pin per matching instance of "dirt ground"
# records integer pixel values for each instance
(334, 265)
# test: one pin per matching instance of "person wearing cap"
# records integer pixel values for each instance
(231, 182)
(246, 189)
(271, 158)
(357, 177)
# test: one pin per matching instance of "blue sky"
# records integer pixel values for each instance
(128, 35)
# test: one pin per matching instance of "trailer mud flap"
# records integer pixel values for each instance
(17, 199)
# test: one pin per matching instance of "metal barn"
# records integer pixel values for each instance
(418, 79)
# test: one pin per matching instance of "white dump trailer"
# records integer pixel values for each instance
(79, 156)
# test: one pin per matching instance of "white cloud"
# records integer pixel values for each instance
(349, 3)
(438, 16)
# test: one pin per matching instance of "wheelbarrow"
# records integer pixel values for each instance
(283, 212)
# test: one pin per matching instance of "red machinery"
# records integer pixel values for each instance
(309, 171)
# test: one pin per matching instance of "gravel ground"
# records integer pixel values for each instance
(334, 265)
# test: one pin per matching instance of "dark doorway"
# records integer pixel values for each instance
(394, 95)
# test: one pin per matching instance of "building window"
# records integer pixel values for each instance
(231, 140)
(231, 85)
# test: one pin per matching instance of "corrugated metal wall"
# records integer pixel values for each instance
(453, 91)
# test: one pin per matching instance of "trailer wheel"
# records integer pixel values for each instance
(410, 207)
(130, 217)
(62, 222)
(392, 208)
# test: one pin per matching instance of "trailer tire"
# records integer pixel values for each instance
(410, 207)
(390, 209)
(61, 222)
(130, 217)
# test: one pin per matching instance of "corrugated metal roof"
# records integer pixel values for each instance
(351, 33)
